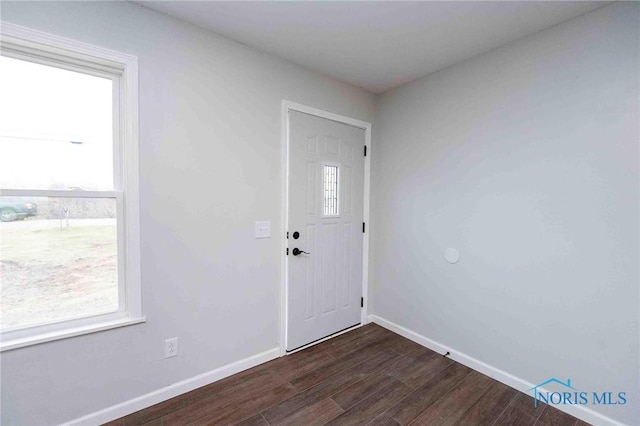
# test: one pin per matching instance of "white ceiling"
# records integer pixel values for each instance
(376, 45)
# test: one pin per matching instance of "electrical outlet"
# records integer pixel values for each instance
(171, 347)
(263, 229)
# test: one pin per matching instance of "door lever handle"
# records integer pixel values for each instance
(297, 252)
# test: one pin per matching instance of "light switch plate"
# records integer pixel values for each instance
(263, 229)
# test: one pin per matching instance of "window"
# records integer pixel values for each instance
(69, 239)
(330, 190)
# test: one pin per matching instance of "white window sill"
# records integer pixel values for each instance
(6, 345)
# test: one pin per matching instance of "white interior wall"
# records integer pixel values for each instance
(210, 165)
(525, 159)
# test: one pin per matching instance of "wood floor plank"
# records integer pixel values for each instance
(489, 407)
(355, 334)
(315, 415)
(448, 409)
(154, 422)
(513, 416)
(222, 401)
(383, 420)
(361, 390)
(371, 336)
(256, 420)
(420, 352)
(347, 361)
(415, 371)
(328, 387)
(424, 396)
(335, 342)
(247, 408)
(404, 346)
(369, 408)
(551, 416)
(300, 363)
(525, 403)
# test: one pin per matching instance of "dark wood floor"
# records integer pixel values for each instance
(369, 376)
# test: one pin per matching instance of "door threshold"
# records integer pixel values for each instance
(322, 339)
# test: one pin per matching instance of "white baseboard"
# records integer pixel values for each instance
(159, 395)
(579, 411)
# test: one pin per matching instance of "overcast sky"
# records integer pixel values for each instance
(43, 109)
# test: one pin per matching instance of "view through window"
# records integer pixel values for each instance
(59, 221)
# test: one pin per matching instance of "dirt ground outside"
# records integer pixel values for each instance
(51, 272)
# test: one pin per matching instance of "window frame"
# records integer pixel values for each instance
(35, 46)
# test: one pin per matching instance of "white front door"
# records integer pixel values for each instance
(326, 199)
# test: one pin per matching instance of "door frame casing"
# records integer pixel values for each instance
(288, 106)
